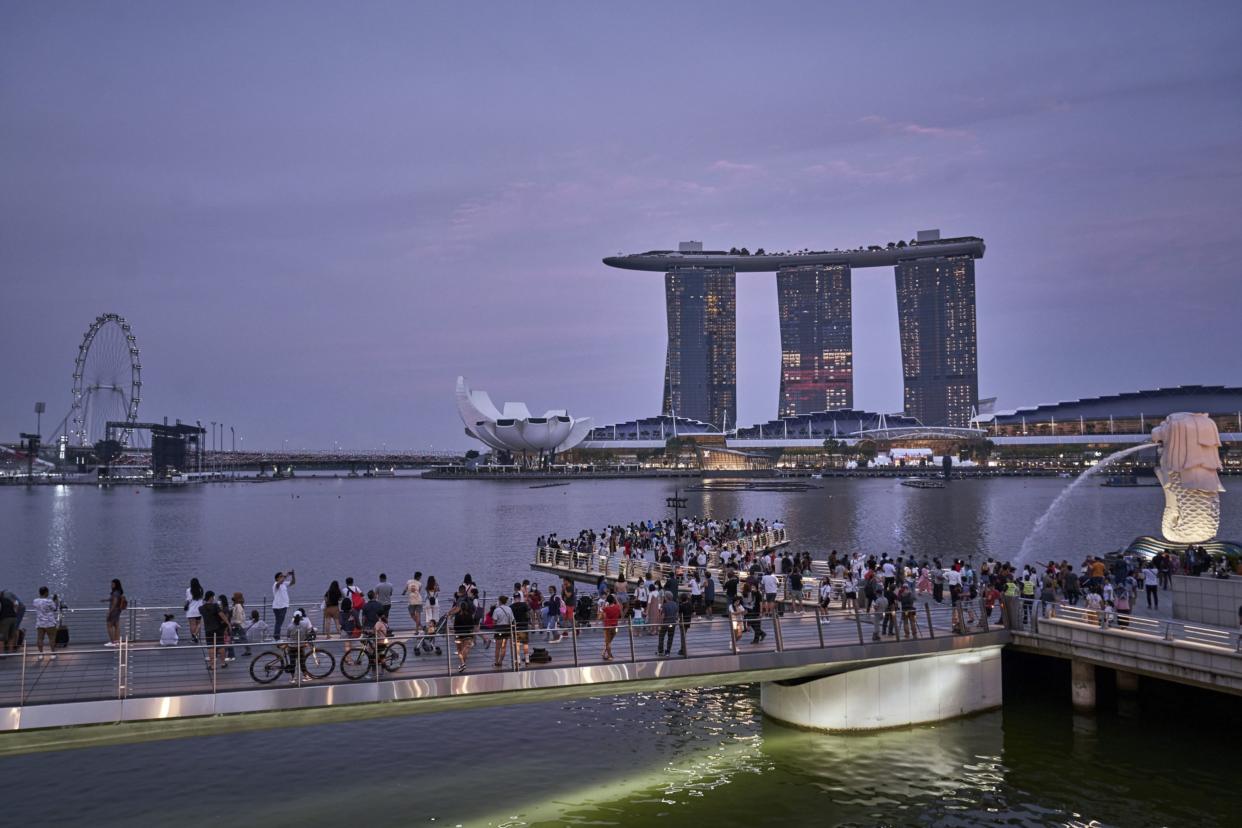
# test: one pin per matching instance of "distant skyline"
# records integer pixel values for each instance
(316, 216)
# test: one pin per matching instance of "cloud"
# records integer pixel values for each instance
(733, 166)
(911, 128)
(902, 169)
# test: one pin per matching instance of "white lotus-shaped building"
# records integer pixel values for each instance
(513, 428)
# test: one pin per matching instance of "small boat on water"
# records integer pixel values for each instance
(922, 483)
(547, 485)
(378, 472)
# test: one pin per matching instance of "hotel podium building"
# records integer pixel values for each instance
(935, 280)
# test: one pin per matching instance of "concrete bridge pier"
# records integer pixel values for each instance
(894, 694)
(1127, 682)
(1082, 685)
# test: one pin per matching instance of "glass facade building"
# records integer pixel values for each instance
(700, 369)
(939, 352)
(817, 349)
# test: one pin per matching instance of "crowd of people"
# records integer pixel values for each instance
(691, 565)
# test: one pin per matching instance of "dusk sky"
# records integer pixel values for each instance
(317, 215)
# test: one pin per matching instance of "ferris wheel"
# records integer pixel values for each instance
(107, 381)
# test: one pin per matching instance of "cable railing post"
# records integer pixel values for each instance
(573, 635)
(297, 658)
(733, 633)
(819, 626)
(448, 652)
(21, 692)
(983, 616)
(858, 622)
(776, 627)
(215, 670)
(378, 661)
(630, 627)
(931, 630)
(120, 669)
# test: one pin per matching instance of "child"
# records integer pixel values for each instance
(639, 621)
(255, 631)
(169, 632)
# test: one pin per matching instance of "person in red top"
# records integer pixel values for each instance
(611, 614)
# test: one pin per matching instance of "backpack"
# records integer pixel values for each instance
(466, 610)
(356, 600)
(123, 604)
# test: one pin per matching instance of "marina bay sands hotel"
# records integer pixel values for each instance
(936, 324)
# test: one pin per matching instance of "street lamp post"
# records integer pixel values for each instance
(676, 503)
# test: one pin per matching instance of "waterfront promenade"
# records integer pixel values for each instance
(142, 681)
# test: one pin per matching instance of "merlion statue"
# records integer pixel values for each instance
(1188, 471)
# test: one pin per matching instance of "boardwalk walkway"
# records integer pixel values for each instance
(143, 681)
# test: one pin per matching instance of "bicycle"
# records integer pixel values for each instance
(269, 665)
(359, 661)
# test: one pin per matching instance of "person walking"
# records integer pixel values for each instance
(463, 620)
(751, 606)
(552, 610)
(1151, 584)
(229, 653)
(47, 619)
(502, 628)
(193, 600)
(237, 622)
(280, 599)
(611, 614)
(655, 609)
(8, 621)
(383, 593)
(520, 607)
(215, 622)
(117, 604)
(879, 616)
(414, 597)
(332, 609)
(685, 614)
(669, 614)
(430, 602)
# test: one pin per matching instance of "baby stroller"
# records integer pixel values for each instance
(424, 643)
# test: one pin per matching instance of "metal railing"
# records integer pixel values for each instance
(1028, 613)
(138, 668)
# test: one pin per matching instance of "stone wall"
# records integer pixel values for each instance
(1207, 600)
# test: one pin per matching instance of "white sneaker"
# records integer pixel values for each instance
(52, 657)
(110, 644)
(38, 658)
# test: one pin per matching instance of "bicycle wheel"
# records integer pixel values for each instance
(394, 657)
(267, 667)
(355, 664)
(318, 664)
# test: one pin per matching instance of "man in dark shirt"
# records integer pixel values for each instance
(214, 624)
(521, 626)
(685, 612)
(371, 611)
(669, 609)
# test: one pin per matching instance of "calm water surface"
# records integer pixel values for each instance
(704, 756)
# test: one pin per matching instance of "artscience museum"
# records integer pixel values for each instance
(513, 428)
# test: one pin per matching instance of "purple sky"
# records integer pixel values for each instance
(316, 215)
